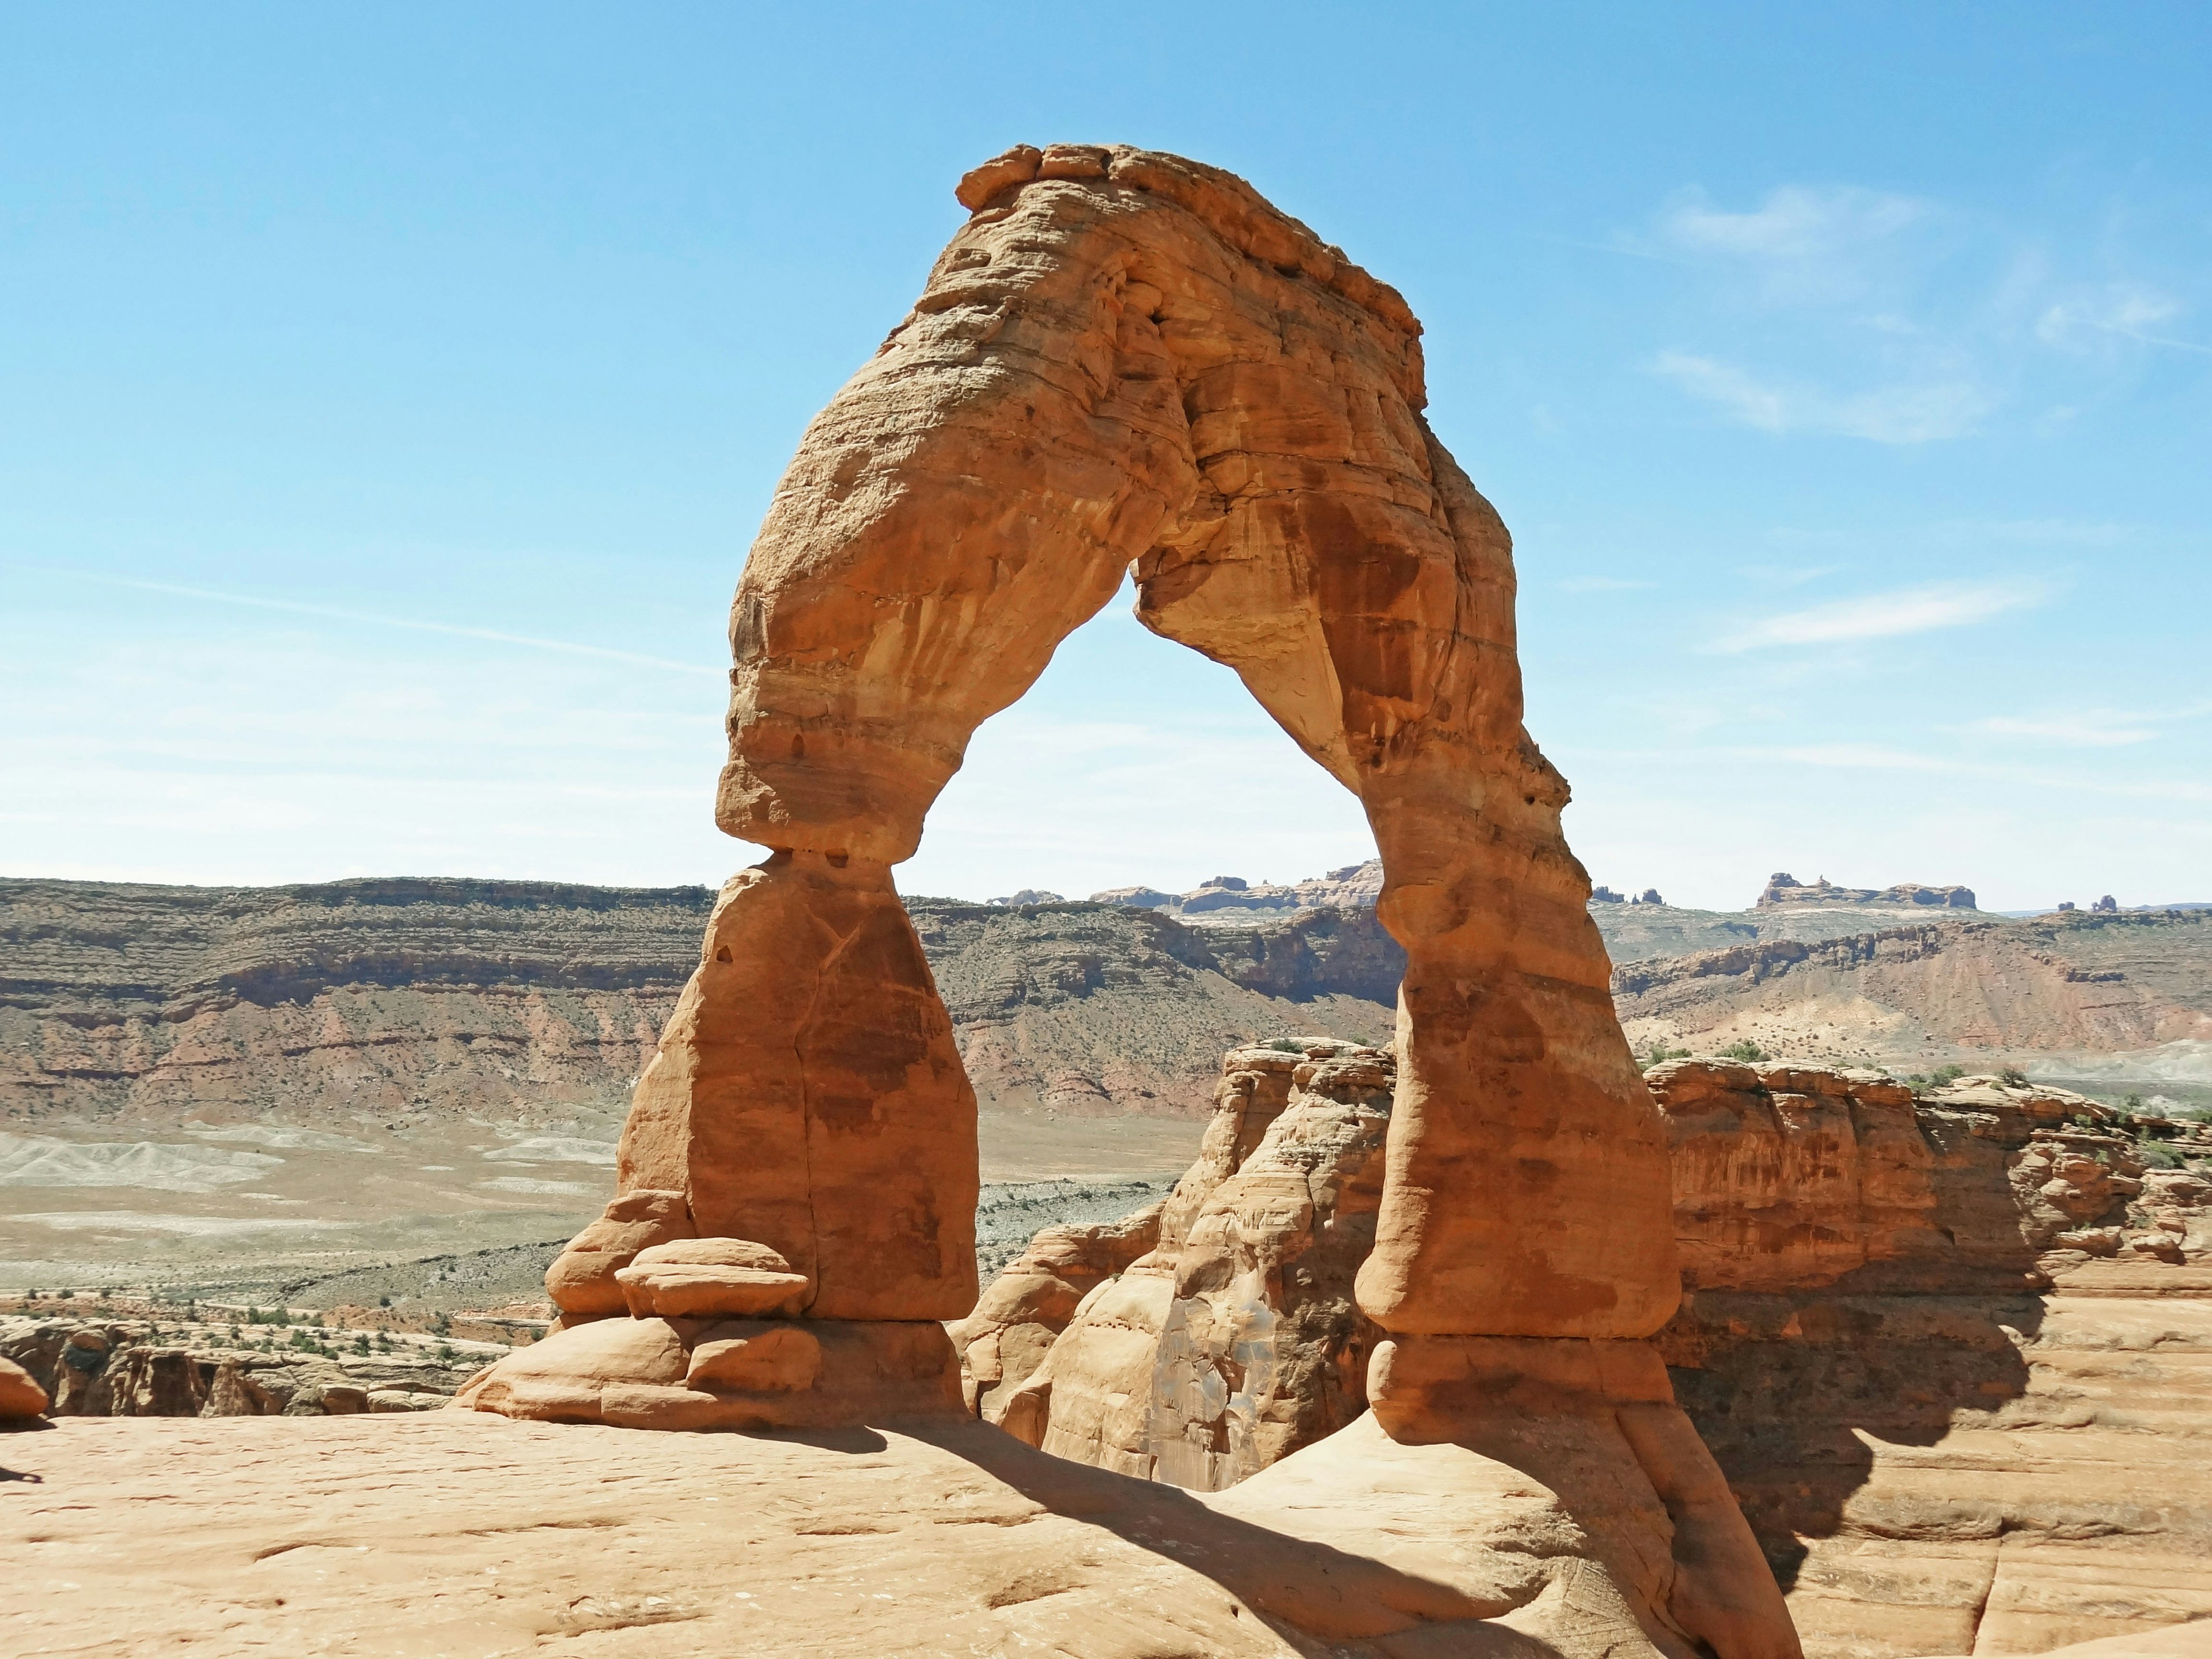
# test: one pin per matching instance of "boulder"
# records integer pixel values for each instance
(711, 1278)
(582, 1280)
(21, 1395)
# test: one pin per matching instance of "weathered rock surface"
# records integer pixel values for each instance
(463, 1533)
(652, 1372)
(582, 1280)
(1960, 1386)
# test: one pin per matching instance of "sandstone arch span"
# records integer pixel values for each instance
(1126, 359)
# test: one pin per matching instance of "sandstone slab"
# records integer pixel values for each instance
(466, 1534)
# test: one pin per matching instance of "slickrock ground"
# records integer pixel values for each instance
(462, 1534)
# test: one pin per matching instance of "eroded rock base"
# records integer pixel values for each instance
(658, 1373)
(1597, 1423)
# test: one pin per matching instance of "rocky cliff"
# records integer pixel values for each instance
(1948, 1347)
(402, 999)
(2057, 990)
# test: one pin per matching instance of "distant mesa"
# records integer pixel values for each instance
(1030, 895)
(2108, 904)
(1785, 888)
(1606, 896)
(1231, 899)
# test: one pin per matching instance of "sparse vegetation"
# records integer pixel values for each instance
(2012, 1077)
(1661, 1053)
(1936, 1078)
(1745, 1050)
(2162, 1158)
(1284, 1045)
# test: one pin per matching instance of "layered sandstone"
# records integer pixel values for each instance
(411, 1003)
(2050, 990)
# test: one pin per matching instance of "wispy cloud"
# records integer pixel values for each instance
(2123, 310)
(1907, 414)
(2088, 728)
(1883, 616)
(1804, 242)
(2075, 730)
(414, 625)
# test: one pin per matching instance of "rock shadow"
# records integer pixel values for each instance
(1299, 1587)
(1781, 1385)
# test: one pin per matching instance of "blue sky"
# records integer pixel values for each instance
(388, 396)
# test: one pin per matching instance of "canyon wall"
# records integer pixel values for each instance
(523, 1001)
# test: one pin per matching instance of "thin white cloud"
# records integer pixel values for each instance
(2088, 728)
(1905, 413)
(457, 630)
(2128, 309)
(1884, 616)
(1803, 243)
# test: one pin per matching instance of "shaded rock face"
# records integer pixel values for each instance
(1957, 1385)
(1235, 1339)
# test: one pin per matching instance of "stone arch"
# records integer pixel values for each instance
(1125, 361)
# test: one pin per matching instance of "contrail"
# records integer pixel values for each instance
(337, 614)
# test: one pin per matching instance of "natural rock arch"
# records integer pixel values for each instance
(1125, 359)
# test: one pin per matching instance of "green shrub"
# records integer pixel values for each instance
(2012, 1077)
(2162, 1157)
(1661, 1053)
(1746, 1050)
(1936, 1078)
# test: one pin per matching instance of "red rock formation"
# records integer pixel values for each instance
(1126, 359)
